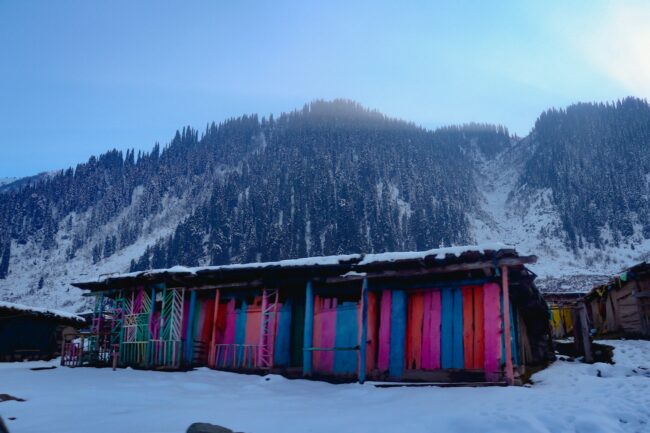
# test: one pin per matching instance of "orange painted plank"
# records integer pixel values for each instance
(468, 326)
(414, 331)
(253, 323)
(206, 324)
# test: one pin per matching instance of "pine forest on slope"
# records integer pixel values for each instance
(337, 178)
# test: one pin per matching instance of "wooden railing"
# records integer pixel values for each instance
(236, 356)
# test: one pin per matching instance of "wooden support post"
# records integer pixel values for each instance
(308, 331)
(510, 376)
(363, 344)
(115, 346)
(189, 332)
(645, 326)
(212, 357)
(264, 337)
(62, 348)
(150, 348)
(584, 332)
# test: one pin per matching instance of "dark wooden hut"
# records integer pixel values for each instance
(622, 305)
(30, 333)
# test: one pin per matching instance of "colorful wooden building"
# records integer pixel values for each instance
(622, 305)
(562, 307)
(466, 314)
(30, 333)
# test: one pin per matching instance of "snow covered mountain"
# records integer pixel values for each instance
(336, 178)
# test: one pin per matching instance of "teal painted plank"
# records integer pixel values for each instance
(189, 336)
(363, 341)
(240, 324)
(308, 336)
(458, 356)
(397, 334)
(282, 350)
(514, 335)
(446, 329)
(345, 361)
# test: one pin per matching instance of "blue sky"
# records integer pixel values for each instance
(78, 78)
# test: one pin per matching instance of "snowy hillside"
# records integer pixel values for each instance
(531, 222)
(336, 178)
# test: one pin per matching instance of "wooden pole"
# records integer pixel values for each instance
(364, 331)
(510, 377)
(308, 331)
(584, 329)
(114, 357)
(215, 316)
(189, 333)
(62, 348)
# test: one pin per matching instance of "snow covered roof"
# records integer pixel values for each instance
(38, 311)
(339, 265)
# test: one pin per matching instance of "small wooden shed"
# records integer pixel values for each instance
(31, 333)
(622, 305)
(463, 314)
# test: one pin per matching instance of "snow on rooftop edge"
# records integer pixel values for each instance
(439, 253)
(365, 259)
(27, 308)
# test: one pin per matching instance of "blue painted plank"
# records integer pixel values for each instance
(446, 329)
(189, 332)
(345, 361)
(458, 356)
(240, 324)
(282, 349)
(308, 336)
(397, 334)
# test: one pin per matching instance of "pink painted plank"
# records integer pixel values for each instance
(431, 331)
(316, 339)
(492, 330)
(231, 317)
(384, 330)
(328, 335)
(371, 351)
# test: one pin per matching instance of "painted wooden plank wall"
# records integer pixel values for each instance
(514, 332)
(325, 319)
(347, 335)
(458, 358)
(473, 327)
(373, 330)
(383, 351)
(446, 329)
(431, 330)
(253, 324)
(492, 330)
(282, 349)
(415, 321)
(397, 333)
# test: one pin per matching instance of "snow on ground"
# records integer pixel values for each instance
(566, 397)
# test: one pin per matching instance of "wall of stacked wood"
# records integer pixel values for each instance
(621, 306)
